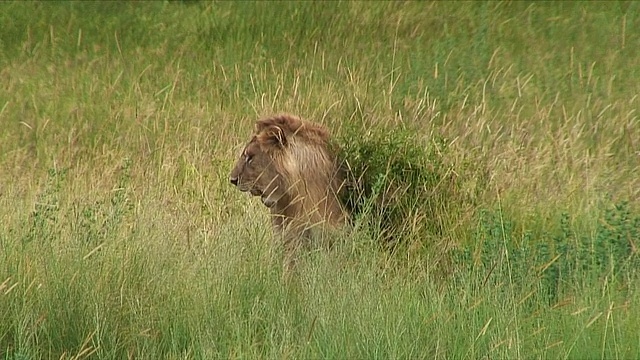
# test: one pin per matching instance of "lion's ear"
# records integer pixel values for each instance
(275, 135)
(261, 125)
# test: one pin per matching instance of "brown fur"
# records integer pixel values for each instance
(289, 164)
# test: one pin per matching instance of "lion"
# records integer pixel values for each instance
(290, 164)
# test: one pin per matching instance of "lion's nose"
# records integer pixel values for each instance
(234, 180)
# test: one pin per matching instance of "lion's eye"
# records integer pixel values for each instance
(248, 158)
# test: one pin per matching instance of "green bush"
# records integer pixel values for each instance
(557, 260)
(400, 188)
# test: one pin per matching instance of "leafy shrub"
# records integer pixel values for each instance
(43, 220)
(90, 220)
(402, 189)
(558, 260)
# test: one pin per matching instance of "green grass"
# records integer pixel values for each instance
(120, 236)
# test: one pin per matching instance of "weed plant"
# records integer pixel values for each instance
(403, 191)
(562, 260)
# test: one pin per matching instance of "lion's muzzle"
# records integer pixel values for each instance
(255, 192)
(244, 188)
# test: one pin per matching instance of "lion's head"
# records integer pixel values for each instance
(259, 170)
(291, 166)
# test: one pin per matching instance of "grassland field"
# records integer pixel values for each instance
(120, 237)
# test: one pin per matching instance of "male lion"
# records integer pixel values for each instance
(289, 164)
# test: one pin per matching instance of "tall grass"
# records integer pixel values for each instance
(120, 237)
